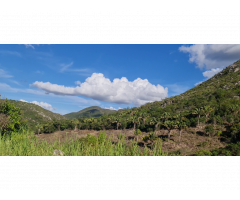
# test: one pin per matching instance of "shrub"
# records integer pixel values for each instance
(203, 153)
(152, 136)
(91, 140)
(209, 129)
(137, 132)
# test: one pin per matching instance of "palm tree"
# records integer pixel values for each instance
(143, 116)
(166, 116)
(135, 120)
(180, 125)
(75, 122)
(116, 121)
(39, 127)
(156, 122)
(206, 111)
(198, 112)
(169, 125)
(87, 121)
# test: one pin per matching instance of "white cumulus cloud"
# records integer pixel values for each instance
(212, 55)
(42, 104)
(120, 91)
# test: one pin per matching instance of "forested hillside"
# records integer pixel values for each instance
(35, 114)
(93, 111)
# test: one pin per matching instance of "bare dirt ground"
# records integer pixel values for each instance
(190, 143)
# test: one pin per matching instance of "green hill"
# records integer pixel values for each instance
(93, 111)
(214, 105)
(35, 114)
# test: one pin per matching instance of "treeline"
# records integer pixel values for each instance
(220, 113)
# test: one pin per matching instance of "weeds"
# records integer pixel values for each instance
(27, 144)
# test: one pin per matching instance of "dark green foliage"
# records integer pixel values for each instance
(230, 150)
(203, 153)
(10, 118)
(209, 129)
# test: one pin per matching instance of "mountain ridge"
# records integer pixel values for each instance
(92, 111)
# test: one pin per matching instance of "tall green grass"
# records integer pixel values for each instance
(27, 144)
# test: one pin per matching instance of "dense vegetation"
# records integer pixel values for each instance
(10, 118)
(35, 114)
(25, 144)
(212, 107)
(93, 111)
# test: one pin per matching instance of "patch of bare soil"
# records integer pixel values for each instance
(190, 142)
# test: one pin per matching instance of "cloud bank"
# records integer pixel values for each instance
(120, 91)
(42, 104)
(212, 55)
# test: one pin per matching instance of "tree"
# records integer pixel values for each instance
(10, 117)
(166, 116)
(169, 125)
(198, 112)
(156, 122)
(135, 120)
(123, 122)
(234, 109)
(116, 121)
(75, 122)
(57, 124)
(143, 116)
(39, 128)
(137, 133)
(206, 111)
(180, 126)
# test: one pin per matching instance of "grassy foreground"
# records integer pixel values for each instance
(27, 144)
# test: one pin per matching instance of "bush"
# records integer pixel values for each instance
(91, 140)
(203, 153)
(152, 136)
(209, 129)
(137, 132)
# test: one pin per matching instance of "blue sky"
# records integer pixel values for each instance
(68, 78)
